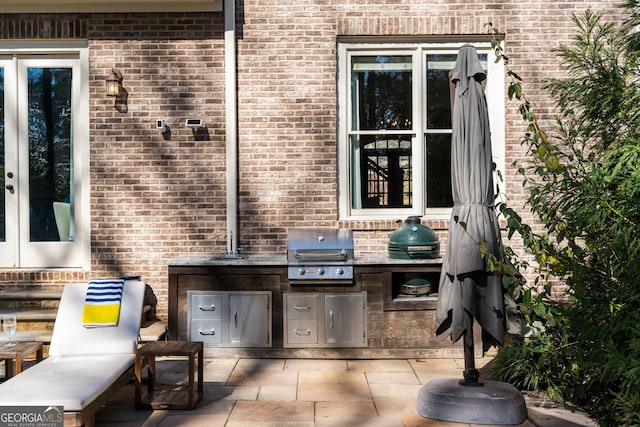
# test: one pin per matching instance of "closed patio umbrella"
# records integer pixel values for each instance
(467, 289)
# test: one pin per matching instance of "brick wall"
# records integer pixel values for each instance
(154, 197)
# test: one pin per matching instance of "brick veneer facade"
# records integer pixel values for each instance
(153, 198)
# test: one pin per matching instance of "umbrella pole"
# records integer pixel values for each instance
(471, 374)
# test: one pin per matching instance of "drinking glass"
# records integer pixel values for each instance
(9, 327)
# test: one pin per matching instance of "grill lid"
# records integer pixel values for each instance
(320, 245)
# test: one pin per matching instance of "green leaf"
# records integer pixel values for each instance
(483, 248)
(540, 310)
(526, 298)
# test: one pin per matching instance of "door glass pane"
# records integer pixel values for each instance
(439, 171)
(50, 147)
(3, 223)
(381, 92)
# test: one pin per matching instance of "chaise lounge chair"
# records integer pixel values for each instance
(86, 366)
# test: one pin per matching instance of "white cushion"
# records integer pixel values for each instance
(70, 381)
(79, 348)
(69, 332)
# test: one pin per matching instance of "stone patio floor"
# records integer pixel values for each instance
(309, 393)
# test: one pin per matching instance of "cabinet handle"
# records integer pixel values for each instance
(212, 308)
(302, 332)
(302, 307)
(211, 332)
(235, 319)
(330, 319)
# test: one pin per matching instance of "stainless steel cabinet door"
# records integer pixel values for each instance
(249, 319)
(206, 306)
(209, 331)
(345, 319)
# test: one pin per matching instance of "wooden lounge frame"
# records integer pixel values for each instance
(87, 416)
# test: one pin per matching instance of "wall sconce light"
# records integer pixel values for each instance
(114, 83)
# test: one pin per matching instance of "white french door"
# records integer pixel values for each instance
(44, 161)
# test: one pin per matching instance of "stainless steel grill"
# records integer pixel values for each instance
(320, 256)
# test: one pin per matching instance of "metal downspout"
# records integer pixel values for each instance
(231, 126)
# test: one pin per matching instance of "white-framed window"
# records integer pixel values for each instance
(395, 126)
(44, 156)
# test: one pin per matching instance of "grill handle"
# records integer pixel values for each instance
(341, 255)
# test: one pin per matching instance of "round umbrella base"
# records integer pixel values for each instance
(493, 402)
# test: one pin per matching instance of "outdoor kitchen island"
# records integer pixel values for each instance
(247, 307)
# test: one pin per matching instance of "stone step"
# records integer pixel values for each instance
(42, 314)
(31, 314)
(25, 336)
(15, 294)
(153, 331)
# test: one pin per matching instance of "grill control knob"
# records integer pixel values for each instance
(339, 271)
(301, 271)
(320, 271)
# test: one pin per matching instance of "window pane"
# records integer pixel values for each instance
(382, 171)
(49, 149)
(439, 171)
(381, 92)
(438, 93)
